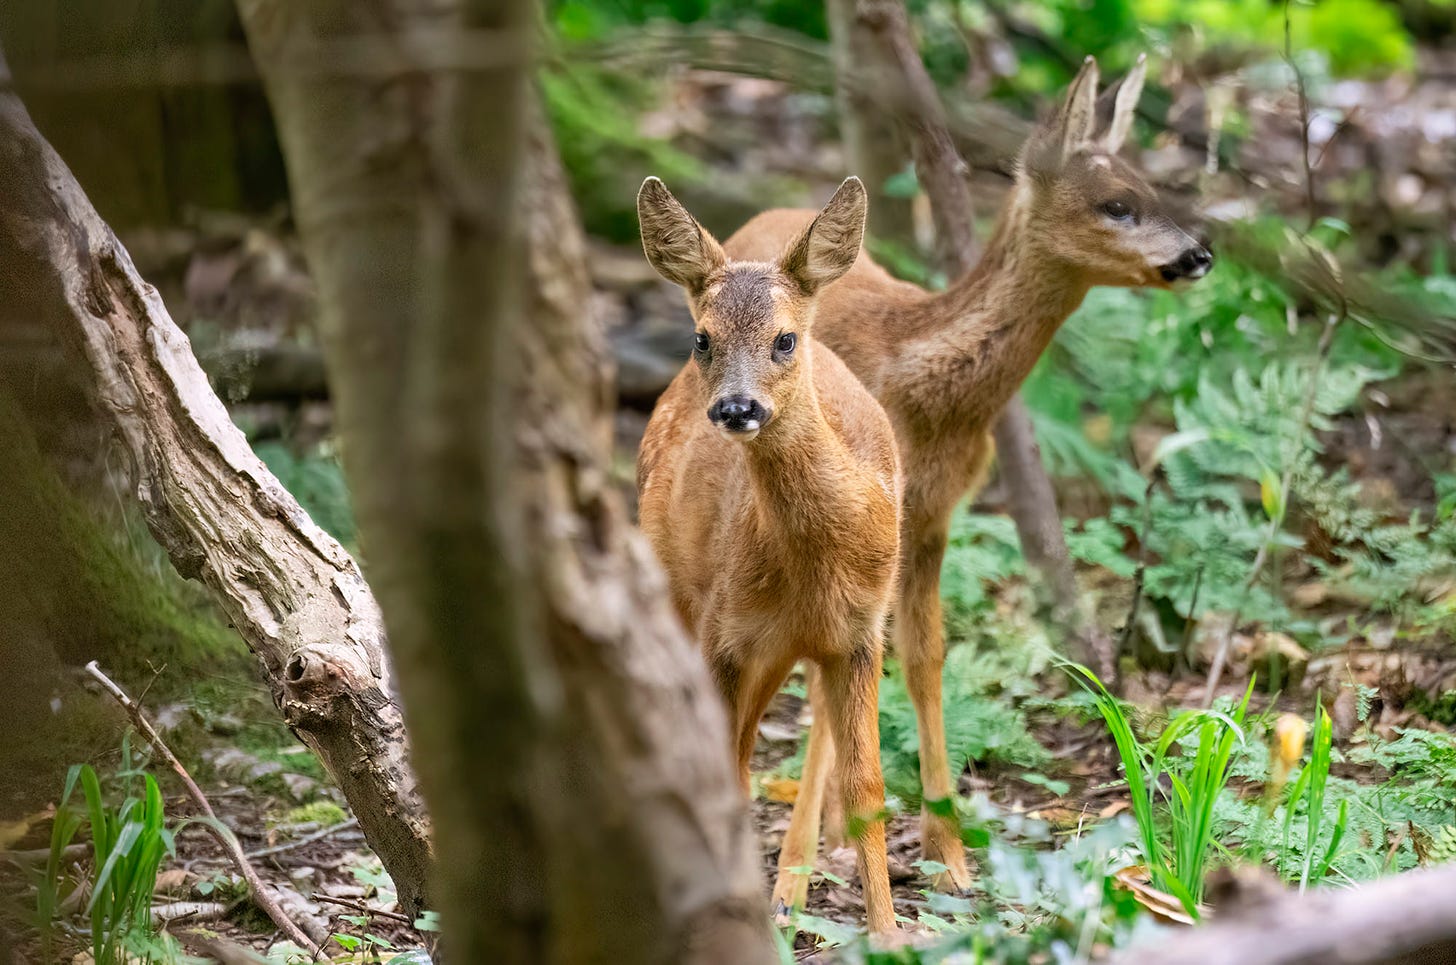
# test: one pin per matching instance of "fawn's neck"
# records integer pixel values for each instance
(798, 466)
(982, 336)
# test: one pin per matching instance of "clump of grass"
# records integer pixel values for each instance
(1309, 788)
(1173, 794)
(129, 842)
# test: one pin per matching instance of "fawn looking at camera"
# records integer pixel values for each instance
(944, 364)
(769, 489)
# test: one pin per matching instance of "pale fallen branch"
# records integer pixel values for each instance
(305, 840)
(35, 856)
(190, 911)
(1403, 920)
(262, 894)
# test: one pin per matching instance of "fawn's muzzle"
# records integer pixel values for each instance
(736, 414)
(1192, 264)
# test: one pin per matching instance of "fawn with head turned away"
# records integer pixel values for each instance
(769, 489)
(944, 364)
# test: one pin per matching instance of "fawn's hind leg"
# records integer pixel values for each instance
(920, 645)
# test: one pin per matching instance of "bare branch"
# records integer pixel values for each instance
(262, 893)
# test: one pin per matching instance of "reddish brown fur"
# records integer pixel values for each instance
(783, 545)
(943, 365)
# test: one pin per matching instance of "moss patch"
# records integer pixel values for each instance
(76, 586)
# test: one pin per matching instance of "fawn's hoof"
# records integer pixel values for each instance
(790, 894)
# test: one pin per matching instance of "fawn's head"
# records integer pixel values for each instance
(1092, 210)
(752, 318)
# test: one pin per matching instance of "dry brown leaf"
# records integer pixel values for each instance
(1160, 904)
(1060, 818)
(13, 832)
(782, 789)
(174, 881)
(1114, 809)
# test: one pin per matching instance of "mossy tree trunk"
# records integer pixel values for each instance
(570, 745)
(294, 595)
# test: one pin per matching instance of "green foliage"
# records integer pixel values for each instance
(316, 480)
(588, 19)
(981, 552)
(1442, 848)
(595, 115)
(1441, 709)
(1227, 366)
(1175, 823)
(983, 721)
(1390, 564)
(129, 840)
(1354, 36)
(1358, 830)
(1309, 793)
(1034, 902)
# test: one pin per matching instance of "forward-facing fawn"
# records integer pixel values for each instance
(943, 365)
(769, 489)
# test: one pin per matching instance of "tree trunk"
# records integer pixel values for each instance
(572, 749)
(871, 141)
(292, 592)
(908, 91)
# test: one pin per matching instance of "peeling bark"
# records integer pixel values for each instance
(293, 593)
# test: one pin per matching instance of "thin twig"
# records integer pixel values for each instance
(1303, 116)
(307, 839)
(262, 894)
(354, 904)
(1124, 640)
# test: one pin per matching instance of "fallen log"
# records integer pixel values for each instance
(1408, 919)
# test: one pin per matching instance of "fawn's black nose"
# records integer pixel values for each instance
(1193, 263)
(737, 413)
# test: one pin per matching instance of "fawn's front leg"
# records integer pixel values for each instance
(851, 688)
(801, 840)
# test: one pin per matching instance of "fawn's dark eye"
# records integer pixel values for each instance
(700, 341)
(1117, 210)
(785, 343)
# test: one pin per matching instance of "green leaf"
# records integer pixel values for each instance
(1271, 495)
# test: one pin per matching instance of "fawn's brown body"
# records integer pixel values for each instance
(943, 365)
(776, 515)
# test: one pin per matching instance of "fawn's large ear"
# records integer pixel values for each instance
(1124, 105)
(828, 247)
(1071, 126)
(675, 244)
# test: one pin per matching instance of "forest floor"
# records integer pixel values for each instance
(294, 825)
